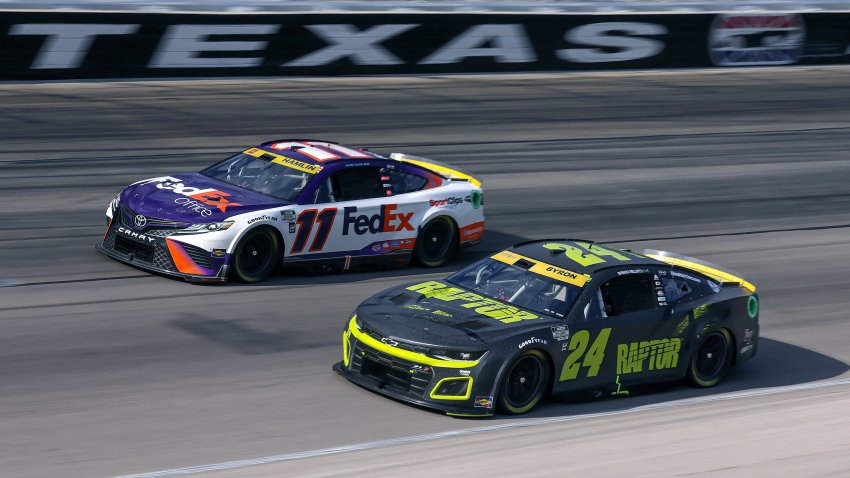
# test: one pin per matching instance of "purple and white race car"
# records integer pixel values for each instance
(295, 202)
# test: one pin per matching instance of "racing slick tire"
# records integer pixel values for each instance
(712, 359)
(436, 242)
(524, 383)
(256, 255)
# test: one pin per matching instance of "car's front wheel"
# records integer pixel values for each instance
(256, 255)
(436, 242)
(712, 359)
(524, 383)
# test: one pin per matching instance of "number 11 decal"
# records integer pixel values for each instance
(305, 221)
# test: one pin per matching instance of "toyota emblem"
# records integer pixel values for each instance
(141, 221)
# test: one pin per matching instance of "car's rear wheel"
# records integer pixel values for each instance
(256, 255)
(436, 242)
(712, 359)
(524, 383)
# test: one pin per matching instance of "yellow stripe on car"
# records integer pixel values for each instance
(285, 161)
(709, 271)
(543, 269)
(406, 354)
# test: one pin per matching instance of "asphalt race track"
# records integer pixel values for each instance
(106, 370)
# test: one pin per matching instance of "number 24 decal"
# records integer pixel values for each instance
(593, 358)
(305, 221)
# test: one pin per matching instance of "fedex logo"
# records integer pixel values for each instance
(211, 197)
(385, 221)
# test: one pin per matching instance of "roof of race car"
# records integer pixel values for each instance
(313, 151)
(583, 257)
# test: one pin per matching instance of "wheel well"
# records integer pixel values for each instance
(273, 230)
(734, 346)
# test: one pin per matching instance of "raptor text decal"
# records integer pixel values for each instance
(481, 305)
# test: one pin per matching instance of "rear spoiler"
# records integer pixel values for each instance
(722, 275)
(443, 169)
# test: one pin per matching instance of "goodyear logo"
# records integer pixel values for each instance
(649, 355)
(481, 305)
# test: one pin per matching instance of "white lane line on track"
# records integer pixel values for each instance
(472, 431)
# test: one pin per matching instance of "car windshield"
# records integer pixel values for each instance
(260, 175)
(517, 285)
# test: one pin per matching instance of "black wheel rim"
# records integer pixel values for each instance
(436, 240)
(711, 356)
(255, 255)
(524, 382)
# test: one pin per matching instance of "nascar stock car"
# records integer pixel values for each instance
(551, 317)
(295, 202)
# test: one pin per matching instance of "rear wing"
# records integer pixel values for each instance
(443, 169)
(718, 273)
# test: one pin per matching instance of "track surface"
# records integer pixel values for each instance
(106, 370)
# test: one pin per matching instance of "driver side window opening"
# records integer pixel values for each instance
(357, 183)
(626, 294)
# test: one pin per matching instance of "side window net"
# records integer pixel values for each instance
(626, 294)
(358, 183)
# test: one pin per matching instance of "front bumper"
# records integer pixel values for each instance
(412, 377)
(159, 254)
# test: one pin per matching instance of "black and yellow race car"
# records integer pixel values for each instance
(551, 317)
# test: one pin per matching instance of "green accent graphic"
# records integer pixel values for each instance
(619, 388)
(753, 307)
(700, 311)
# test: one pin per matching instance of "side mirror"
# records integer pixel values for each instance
(587, 311)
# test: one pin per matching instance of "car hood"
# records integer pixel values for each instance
(438, 313)
(193, 198)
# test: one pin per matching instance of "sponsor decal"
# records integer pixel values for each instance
(387, 220)
(420, 368)
(747, 349)
(449, 202)
(464, 373)
(532, 340)
(288, 215)
(483, 402)
(135, 235)
(748, 336)
(264, 217)
(636, 271)
(756, 39)
(714, 286)
(292, 228)
(481, 305)
(560, 332)
(685, 276)
(196, 199)
(699, 311)
(218, 252)
(619, 390)
(648, 355)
